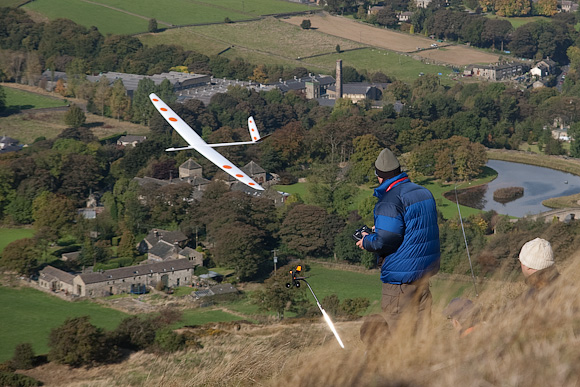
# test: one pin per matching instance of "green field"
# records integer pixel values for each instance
(271, 41)
(107, 20)
(22, 100)
(402, 67)
(28, 315)
(132, 16)
(8, 235)
(519, 21)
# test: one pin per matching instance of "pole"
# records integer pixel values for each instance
(275, 260)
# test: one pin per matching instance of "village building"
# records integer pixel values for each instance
(92, 208)
(157, 235)
(131, 140)
(255, 172)
(544, 68)
(56, 280)
(357, 91)
(190, 169)
(499, 72)
(70, 257)
(192, 255)
(134, 279)
(569, 6)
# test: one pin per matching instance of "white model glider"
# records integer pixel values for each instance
(197, 143)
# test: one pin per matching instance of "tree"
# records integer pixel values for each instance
(301, 230)
(152, 25)
(387, 17)
(306, 24)
(276, 297)
(53, 214)
(143, 109)
(240, 246)
(78, 343)
(119, 101)
(337, 48)
(75, 117)
(127, 245)
(366, 150)
(20, 256)
(24, 358)
(102, 94)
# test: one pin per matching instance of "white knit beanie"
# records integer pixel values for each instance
(537, 254)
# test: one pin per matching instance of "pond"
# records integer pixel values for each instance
(539, 184)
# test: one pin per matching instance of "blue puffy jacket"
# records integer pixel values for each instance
(406, 231)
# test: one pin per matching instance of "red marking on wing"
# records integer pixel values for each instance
(227, 166)
(172, 119)
(163, 109)
(155, 99)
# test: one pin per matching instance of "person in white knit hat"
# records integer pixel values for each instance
(537, 262)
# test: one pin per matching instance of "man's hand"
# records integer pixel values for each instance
(360, 243)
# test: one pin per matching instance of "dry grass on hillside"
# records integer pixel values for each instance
(518, 345)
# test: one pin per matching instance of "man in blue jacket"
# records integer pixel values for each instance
(405, 240)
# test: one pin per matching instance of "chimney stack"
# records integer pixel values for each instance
(339, 78)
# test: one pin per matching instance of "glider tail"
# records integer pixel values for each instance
(254, 134)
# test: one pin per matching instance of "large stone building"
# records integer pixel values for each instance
(499, 72)
(134, 279)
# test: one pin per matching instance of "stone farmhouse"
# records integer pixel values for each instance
(174, 238)
(499, 72)
(117, 281)
(544, 68)
(569, 6)
(358, 91)
(54, 279)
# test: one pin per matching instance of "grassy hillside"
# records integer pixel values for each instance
(23, 100)
(8, 235)
(28, 315)
(519, 21)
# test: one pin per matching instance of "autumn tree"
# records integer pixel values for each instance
(102, 94)
(20, 256)
(119, 101)
(546, 7)
(306, 24)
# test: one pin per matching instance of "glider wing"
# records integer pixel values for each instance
(197, 143)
